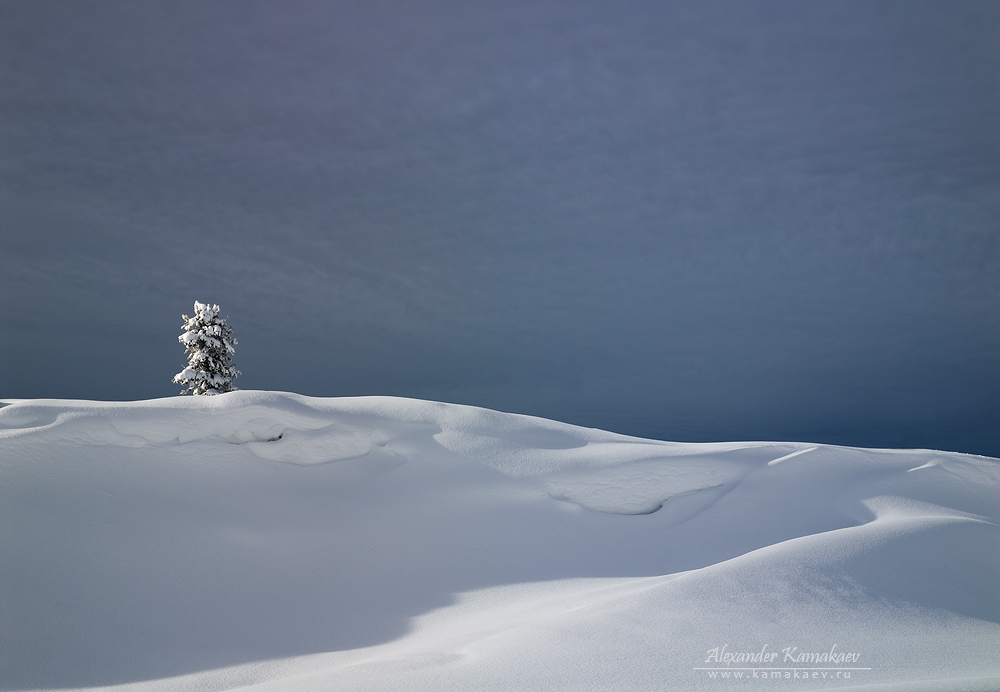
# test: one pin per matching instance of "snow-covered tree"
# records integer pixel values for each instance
(209, 344)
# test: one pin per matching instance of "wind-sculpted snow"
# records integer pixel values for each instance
(273, 541)
(642, 487)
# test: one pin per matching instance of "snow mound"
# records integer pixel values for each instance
(642, 487)
(271, 541)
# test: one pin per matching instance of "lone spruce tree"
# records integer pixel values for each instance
(209, 344)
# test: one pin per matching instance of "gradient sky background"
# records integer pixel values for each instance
(689, 221)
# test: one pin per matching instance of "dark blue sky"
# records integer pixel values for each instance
(690, 221)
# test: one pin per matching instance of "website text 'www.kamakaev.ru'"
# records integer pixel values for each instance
(789, 663)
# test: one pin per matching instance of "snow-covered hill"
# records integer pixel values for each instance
(273, 541)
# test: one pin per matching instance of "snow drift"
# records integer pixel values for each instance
(272, 541)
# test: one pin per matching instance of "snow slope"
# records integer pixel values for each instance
(270, 541)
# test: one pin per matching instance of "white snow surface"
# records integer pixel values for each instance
(271, 541)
